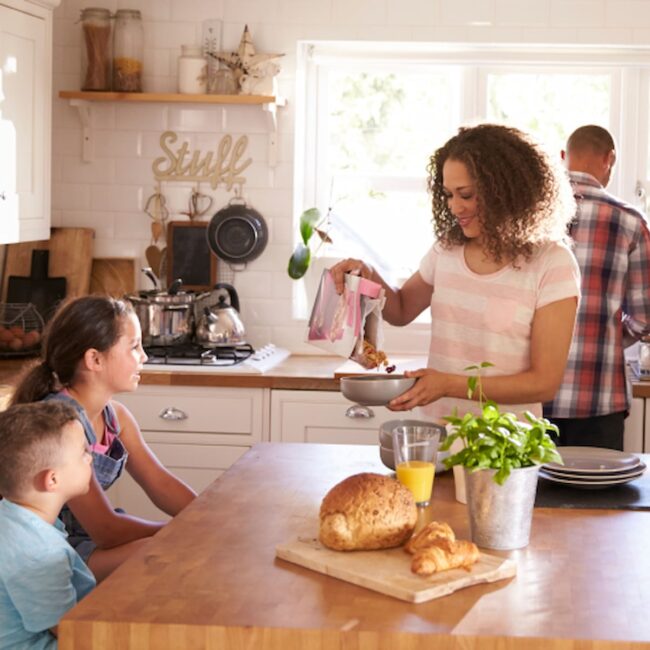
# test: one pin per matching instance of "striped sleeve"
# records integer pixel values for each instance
(560, 276)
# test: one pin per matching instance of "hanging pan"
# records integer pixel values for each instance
(237, 233)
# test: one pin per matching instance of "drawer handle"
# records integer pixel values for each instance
(358, 411)
(172, 413)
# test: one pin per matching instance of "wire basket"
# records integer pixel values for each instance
(21, 329)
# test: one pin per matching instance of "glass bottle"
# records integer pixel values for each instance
(96, 49)
(128, 49)
(192, 71)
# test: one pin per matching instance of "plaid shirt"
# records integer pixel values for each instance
(612, 246)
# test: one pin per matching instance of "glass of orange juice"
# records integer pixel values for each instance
(415, 449)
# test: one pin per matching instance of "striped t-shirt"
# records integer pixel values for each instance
(477, 318)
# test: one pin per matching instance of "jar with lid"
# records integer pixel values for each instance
(128, 47)
(96, 49)
(192, 71)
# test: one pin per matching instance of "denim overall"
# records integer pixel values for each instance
(107, 468)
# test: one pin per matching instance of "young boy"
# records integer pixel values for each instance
(44, 462)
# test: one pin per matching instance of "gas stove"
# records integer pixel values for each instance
(235, 358)
(192, 354)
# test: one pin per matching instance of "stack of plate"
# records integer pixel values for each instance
(592, 468)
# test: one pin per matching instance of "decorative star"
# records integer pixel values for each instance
(244, 61)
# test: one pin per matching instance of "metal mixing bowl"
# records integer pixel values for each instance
(374, 390)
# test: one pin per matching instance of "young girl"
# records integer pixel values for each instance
(91, 350)
(501, 283)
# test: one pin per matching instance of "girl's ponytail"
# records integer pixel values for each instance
(34, 384)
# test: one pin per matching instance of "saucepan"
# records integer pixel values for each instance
(166, 317)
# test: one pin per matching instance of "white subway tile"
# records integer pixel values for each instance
(258, 336)
(626, 13)
(301, 11)
(359, 12)
(438, 33)
(563, 35)
(71, 61)
(393, 33)
(135, 225)
(100, 170)
(533, 13)
(68, 196)
(577, 13)
(158, 62)
(101, 222)
(292, 337)
(282, 284)
(245, 119)
(266, 311)
(604, 36)
(196, 9)
(152, 84)
(467, 12)
(194, 118)
(151, 9)
(249, 11)
(133, 170)
(102, 116)
(117, 144)
(151, 117)
(253, 285)
(116, 198)
(488, 34)
(126, 247)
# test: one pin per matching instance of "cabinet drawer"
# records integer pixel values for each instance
(212, 457)
(232, 411)
(310, 416)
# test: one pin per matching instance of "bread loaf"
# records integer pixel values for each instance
(365, 512)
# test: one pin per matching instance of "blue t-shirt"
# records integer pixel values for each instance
(41, 578)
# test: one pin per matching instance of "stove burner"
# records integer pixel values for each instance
(191, 354)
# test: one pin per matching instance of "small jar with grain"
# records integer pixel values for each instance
(128, 49)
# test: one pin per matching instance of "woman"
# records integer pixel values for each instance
(501, 282)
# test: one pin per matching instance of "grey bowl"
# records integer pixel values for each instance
(374, 390)
(386, 441)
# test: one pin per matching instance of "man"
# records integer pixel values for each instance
(612, 246)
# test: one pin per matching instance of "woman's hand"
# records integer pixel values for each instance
(350, 265)
(430, 386)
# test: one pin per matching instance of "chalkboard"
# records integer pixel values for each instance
(189, 257)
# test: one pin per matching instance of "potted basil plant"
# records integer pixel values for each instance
(501, 456)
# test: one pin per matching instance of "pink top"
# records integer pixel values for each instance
(477, 318)
(101, 446)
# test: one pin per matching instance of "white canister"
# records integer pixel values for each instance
(192, 71)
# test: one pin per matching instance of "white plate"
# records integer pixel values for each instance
(635, 471)
(592, 460)
(587, 485)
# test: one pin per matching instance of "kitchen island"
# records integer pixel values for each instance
(210, 578)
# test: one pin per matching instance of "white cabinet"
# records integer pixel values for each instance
(319, 416)
(197, 433)
(25, 118)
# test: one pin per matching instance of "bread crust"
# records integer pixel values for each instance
(429, 535)
(367, 511)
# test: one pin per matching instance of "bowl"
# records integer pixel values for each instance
(374, 390)
(386, 441)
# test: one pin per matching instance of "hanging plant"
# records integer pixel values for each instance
(311, 222)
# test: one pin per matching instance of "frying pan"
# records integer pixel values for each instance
(237, 233)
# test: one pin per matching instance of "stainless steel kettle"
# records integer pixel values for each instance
(220, 324)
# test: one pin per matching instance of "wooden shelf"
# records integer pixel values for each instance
(173, 98)
(82, 101)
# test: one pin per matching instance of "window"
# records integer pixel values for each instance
(371, 116)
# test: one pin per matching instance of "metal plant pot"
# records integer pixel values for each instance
(500, 516)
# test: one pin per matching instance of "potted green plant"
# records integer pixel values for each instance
(501, 456)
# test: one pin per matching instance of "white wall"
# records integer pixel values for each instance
(109, 193)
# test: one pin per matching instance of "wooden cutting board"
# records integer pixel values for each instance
(389, 571)
(113, 276)
(71, 253)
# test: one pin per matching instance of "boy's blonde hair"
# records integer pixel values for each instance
(30, 441)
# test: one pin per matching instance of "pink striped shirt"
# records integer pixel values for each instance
(477, 318)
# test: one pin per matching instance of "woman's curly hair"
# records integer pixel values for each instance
(524, 199)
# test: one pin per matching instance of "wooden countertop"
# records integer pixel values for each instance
(210, 578)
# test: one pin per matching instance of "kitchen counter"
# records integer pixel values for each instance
(210, 578)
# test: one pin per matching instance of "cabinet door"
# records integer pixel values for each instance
(313, 416)
(25, 119)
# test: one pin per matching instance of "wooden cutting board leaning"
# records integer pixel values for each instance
(389, 571)
(113, 276)
(71, 253)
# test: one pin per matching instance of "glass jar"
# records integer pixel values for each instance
(96, 49)
(128, 47)
(224, 82)
(192, 71)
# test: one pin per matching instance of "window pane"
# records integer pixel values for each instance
(549, 105)
(382, 127)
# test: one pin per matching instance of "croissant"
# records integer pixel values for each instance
(429, 535)
(445, 554)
